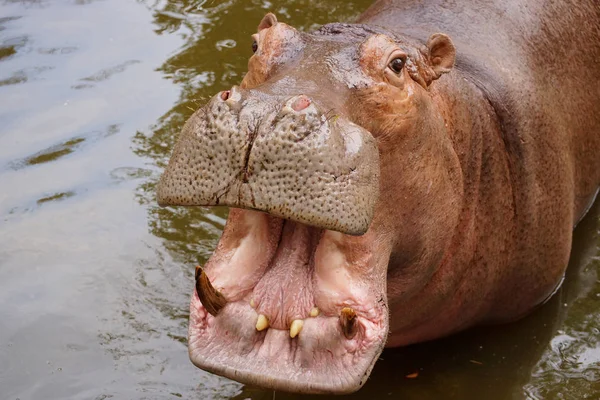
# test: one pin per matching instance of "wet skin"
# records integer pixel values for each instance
(487, 158)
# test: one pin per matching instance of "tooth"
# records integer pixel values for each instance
(262, 323)
(252, 303)
(211, 298)
(296, 327)
(314, 312)
(348, 322)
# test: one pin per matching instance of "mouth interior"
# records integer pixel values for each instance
(303, 313)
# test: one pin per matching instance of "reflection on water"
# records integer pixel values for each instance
(95, 279)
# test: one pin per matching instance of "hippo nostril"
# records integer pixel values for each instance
(225, 95)
(301, 103)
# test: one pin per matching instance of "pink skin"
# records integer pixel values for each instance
(301, 103)
(225, 95)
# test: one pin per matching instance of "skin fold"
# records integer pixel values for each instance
(392, 181)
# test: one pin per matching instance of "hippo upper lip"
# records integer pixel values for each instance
(227, 156)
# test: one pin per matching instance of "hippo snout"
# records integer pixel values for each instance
(277, 154)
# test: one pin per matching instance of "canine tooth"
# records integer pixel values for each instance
(210, 297)
(296, 327)
(348, 322)
(314, 312)
(262, 323)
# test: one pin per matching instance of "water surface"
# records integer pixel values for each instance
(95, 279)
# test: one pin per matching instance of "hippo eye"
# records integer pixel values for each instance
(396, 65)
(254, 46)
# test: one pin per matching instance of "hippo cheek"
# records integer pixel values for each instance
(283, 157)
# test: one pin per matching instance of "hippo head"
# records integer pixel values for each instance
(322, 155)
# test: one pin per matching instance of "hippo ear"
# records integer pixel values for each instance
(442, 54)
(268, 21)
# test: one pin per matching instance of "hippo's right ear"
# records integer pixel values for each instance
(442, 54)
(268, 21)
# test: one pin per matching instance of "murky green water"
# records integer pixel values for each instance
(95, 278)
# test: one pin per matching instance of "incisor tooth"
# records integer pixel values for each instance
(314, 312)
(252, 303)
(296, 327)
(262, 323)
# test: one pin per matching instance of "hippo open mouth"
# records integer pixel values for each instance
(291, 298)
(299, 313)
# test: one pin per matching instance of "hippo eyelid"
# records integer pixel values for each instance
(396, 65)
(394, 55)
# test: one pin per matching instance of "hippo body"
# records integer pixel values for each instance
(533, 170)
(392, 181)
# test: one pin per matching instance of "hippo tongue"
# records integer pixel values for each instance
(284, 294)
(298, 316)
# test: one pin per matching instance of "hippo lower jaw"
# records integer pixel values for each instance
(284, 279)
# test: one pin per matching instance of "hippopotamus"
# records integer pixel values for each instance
(390, 181)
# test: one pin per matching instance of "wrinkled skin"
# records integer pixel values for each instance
(391, 184)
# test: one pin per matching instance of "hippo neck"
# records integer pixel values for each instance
(486, 222)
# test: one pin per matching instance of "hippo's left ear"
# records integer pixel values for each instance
(268, 21)
(442, 54)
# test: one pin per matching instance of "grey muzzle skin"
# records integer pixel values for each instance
(276, 154)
